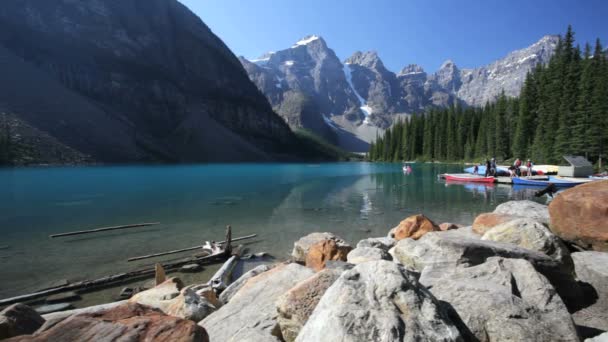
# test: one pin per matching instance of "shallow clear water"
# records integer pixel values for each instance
(279, 202)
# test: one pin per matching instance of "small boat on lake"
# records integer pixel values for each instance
(570, 179)
(544, 183)
(500, 170)
(467, 177)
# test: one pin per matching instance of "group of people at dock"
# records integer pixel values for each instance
(515, 170)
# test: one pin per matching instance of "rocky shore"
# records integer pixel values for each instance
(524, 272)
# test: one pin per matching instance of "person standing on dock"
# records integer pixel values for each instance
(493, 168)
(517, 166)
(476, 169)
(488, 167)
(529, 167)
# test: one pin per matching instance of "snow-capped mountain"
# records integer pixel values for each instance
(349, 103)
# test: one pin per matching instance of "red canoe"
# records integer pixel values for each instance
(465, 177)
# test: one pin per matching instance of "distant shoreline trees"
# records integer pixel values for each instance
(562, 109)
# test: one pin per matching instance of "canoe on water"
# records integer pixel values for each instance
(466, 177)
(501, 170)
(543, 183)
(570, 179)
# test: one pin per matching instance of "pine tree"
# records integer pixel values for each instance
(580, 142)
(500, 131)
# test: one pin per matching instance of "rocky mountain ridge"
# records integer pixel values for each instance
(132, 81)
(359, 98)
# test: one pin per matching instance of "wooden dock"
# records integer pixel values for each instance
(509, 180)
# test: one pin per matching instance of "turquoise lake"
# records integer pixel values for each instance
(194, 203)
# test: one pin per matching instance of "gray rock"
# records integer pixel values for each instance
(233, 288)
(592, 268)
(533, 235)
(441, 249)
(338, 265)
(378, 301)
(599, 338)
(528, 209)
(502, 300)
(19, 319)
(251, 314)
(56, 317)
(173, 299)
(384, 243)
(301, 247)
(364, 254)
(49, 308)
(297, 304)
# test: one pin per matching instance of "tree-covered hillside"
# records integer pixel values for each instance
(562, 109)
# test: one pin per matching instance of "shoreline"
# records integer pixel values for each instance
(521, 240)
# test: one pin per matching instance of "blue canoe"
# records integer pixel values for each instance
(501, 171)
(532, 182)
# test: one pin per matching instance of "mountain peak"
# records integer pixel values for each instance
(307, 40)
(411, 69)
(448, 64)
(368, 59)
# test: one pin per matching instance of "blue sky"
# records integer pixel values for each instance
(471, 33)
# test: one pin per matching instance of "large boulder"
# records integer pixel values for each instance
(580, 215)
(19, 319)
(533, 235)
(442, 249)
(325, 250)
(365, 254)
(297, 304)
(173, 299)
(413, 227)
(378, 301)
(592, 268)
(384, 243)
(525, 209)
(233, 288)
(127, 322)
(487, 221)
(301, 247)
(251, 314)
(502, 300)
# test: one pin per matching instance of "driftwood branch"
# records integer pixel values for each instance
(221, 278)
(187, 249)
(80, 232)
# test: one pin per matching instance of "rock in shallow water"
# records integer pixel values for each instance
(19, 319)
(378, 301)
(251, 314)
(502, 300)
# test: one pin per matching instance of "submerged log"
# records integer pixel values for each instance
(188, 249)
(104, 229)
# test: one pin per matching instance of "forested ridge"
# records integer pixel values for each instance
(562, 109)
